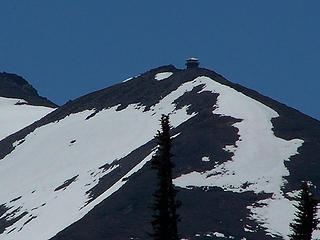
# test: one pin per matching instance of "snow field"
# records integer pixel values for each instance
(15, 117)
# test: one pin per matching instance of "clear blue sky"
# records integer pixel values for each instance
(66, 49)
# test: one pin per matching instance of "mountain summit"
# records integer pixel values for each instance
(14, 86)
(83, 171)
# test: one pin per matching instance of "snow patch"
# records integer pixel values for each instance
(176, 135)
(316, 233)
(275, 215)
(162, 76)
(271, 215)
(205, 159)
(128, 79)
(219, 235)
(214, 234)
(248, 228)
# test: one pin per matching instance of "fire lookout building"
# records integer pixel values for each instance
(192, 63)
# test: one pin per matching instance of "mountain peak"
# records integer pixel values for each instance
(14, 86)
(239, 157)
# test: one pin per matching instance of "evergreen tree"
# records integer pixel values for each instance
(165, 218)
(305, 221)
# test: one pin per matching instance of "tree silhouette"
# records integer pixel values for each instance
(165, 218)
(305, 221)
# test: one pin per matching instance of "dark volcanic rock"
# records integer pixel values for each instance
(4, 222)
(14, 86)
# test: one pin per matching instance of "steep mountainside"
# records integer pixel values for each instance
(83, 171)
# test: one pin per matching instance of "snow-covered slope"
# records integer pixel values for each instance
(258, 160)
(20, 104)
(73, 148)
(93, 154)
(16, 114)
